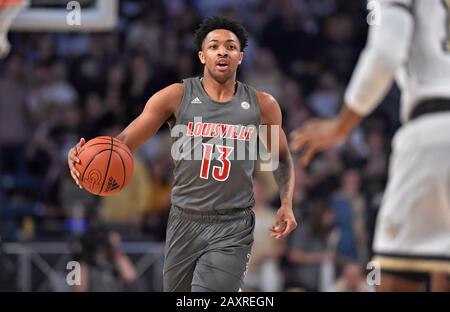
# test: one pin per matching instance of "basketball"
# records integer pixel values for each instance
(106, 165)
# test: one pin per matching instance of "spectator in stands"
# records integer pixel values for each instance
(350, 209)
(264, 273)
(312, 246)
(104, 267)
(126, 209)
(14, 123)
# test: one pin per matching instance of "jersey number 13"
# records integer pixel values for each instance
(219, 173)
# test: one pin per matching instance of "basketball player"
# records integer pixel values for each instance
(412, 43)
(210, 228)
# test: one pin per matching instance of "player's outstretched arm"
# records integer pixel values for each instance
(159, 108)
(284, 174)
(387, 48)
(318, 135)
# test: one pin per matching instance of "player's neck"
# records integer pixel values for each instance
(219, 91)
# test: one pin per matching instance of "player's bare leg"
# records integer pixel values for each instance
(440, 282)
(391, 283)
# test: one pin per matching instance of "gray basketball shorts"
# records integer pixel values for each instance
(207, 250)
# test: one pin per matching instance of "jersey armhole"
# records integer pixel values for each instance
(182, 107)
(253, 93)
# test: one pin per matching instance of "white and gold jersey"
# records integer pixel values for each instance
(411, 44)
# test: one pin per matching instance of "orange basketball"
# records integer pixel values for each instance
(106, 165)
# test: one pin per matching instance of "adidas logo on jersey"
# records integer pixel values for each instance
(196, 101)
(112, 184)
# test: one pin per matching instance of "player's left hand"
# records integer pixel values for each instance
(284, 224)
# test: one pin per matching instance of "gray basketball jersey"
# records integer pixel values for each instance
(215, 149)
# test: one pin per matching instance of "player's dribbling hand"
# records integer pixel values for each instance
(284, 224)
(72, 159)
(315, 136)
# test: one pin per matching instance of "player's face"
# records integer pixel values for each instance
(221, 54)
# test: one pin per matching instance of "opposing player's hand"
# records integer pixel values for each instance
(72, 159)
(315, 136)
(284, 224)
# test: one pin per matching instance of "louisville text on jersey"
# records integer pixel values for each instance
(214, 130)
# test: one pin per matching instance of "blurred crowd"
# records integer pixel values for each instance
(58, 87)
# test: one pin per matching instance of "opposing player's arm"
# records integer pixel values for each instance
(159, 108)
(284, 174)
(387, 48)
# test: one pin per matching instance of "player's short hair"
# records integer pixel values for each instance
(220, 22)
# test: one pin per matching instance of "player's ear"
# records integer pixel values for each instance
(241, 57)
(201, 56)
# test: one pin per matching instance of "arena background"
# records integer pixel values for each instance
(64, 81)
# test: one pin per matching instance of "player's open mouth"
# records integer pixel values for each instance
(222, 65)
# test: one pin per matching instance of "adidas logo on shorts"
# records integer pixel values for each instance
(196, 101)
(112, 184)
